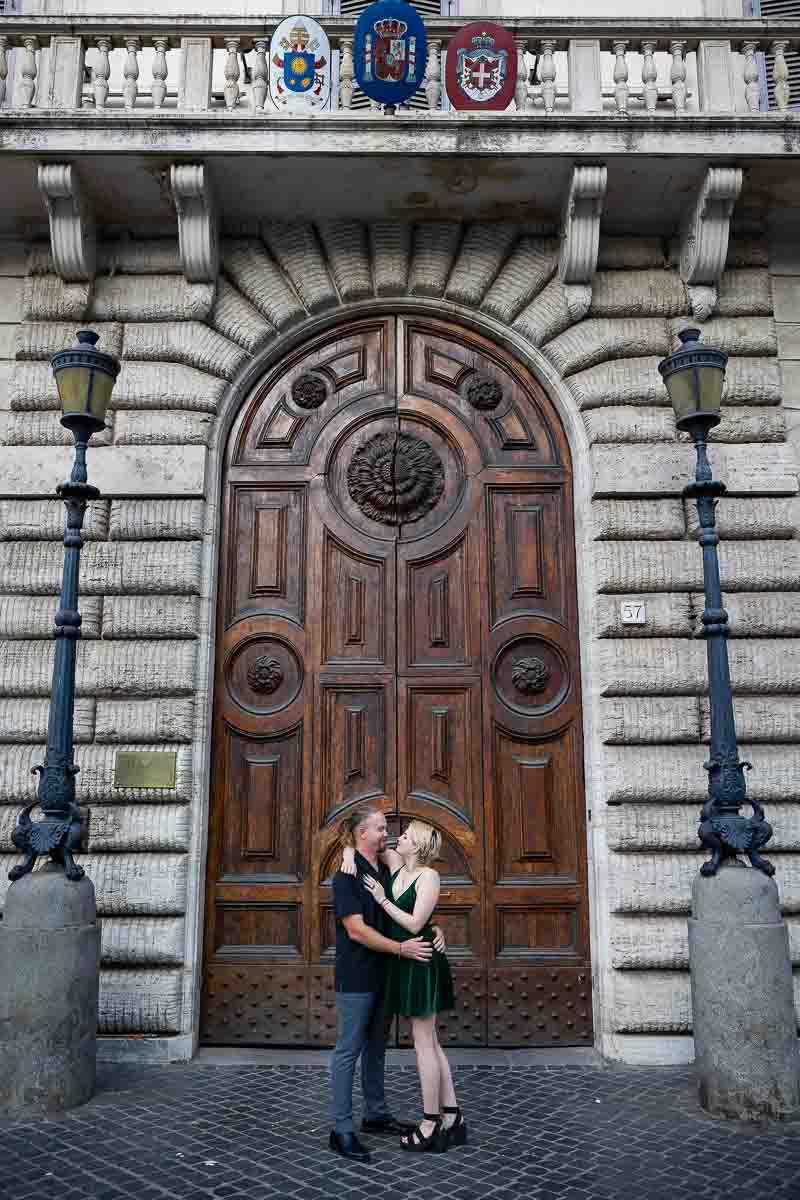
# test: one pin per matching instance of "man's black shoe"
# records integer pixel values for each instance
(386, 1126)
(348, 1145)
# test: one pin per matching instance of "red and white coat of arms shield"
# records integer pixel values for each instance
(481, 67)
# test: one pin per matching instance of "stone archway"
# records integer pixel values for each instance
(397, 618)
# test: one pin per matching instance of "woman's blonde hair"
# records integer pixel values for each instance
(427, 840)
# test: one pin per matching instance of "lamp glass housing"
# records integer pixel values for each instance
(85, 379)
(694, 377)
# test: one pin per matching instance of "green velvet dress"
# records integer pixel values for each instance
(415, 989)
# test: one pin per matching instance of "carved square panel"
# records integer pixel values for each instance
(263, 828)
(439, 621)
(258, 929)
(267, 574)
(540, 1006)
(249, 1004)
(441, 749)
(354, 610)
(526, 567)
(534, 810)
(356, 742)
(536, 931)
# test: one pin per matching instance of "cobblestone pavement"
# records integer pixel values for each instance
(194, 1131)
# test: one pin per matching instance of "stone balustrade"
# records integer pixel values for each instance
(152, 65)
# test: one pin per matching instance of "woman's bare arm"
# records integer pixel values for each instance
(391, 859)
(428, 884)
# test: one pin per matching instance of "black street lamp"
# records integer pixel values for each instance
(694, 376)
(85, 379)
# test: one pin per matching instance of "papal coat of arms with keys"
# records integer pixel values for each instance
(300, 65)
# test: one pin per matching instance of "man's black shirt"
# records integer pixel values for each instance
(359, 969)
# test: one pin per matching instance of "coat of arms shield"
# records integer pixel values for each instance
(300, 65)
(390, 51)
(481, 67)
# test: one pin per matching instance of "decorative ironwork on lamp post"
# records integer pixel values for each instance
(85, 378)
(694, 376)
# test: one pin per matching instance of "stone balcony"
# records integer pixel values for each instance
(646, 97)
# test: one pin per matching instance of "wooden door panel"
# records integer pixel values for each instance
(355, 742)
(539, 1006)
(439, 728)
(263, 833)
(438, 625)
(298, 397)
(266, 571)
(357, 600)
(534, 817)
(398, 625)
(526, 551)
(507, 414)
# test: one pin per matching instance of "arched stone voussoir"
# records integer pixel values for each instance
(598, 339)
(188, 342)
(262, 281)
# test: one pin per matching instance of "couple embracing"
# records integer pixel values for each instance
(389, 960)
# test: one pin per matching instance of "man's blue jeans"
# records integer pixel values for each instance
(360, 1031)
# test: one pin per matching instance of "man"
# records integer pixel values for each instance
(361, 949)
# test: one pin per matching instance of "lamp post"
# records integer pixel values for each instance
(745, 1033)
(694, 376)
(49, 936)
(85, 378)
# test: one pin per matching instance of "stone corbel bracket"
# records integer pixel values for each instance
(704, 242)
(198, 231)
(72, 230)
(580, 235)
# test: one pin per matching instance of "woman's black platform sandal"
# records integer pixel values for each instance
(455, 1134)
(416, 1140)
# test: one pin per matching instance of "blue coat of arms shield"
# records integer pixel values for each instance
(300, 65)
(390, 50)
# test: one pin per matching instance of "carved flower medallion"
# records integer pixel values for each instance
(309, 391)
(483, 392)
(395, 478)
(265, 674)
(530, 675)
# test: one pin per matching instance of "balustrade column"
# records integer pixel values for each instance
(130, 89)
(547, 75)
(232, 73)
(158, 88)
(101, 72)
(260, 74)
(27, 70)
(752, 91)
(3, 68)
(649, 76)
(781, 75)
(521, 86)
(621, 76)
(346, 72)
(678, 77)
(433, 75)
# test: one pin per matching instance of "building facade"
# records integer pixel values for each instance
(391, 498)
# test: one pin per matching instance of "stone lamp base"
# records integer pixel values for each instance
(49, 973)
(745, 1029)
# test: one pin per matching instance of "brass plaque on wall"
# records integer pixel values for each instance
(145, 769)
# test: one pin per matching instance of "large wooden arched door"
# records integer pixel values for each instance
(397, 621)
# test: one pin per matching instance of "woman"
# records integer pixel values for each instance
(419, 990)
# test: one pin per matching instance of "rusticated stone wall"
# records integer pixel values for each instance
(149, 567)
